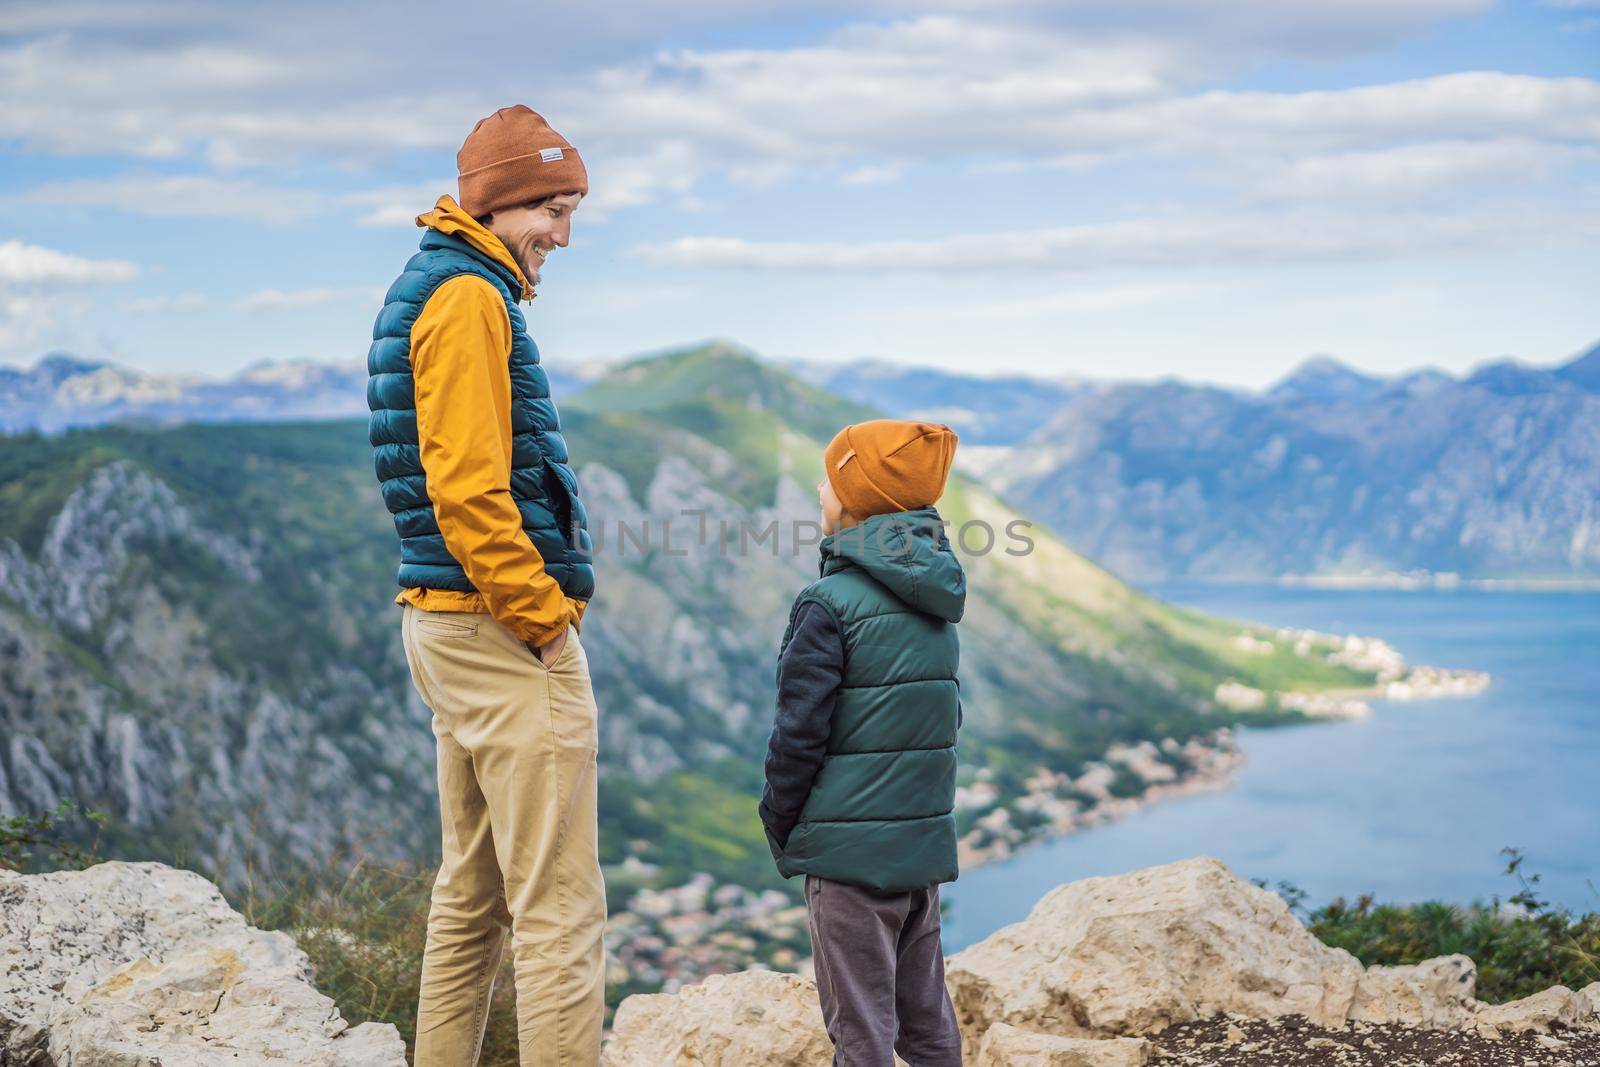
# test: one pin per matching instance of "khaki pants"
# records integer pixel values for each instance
(516, 748)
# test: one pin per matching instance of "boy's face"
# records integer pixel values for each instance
(834, 517)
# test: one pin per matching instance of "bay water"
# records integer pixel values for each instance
(1415, 803)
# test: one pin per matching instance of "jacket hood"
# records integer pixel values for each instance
(908, 552)
(451, 218)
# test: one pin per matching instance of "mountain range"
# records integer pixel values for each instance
(62, 391)
(1330, 472)
(1327, 473)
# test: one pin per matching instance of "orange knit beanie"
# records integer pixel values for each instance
(514, 157)
(887, 465)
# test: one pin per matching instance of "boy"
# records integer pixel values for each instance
(861, 763)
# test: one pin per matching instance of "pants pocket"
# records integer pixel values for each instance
(432, 624)
(573, 714)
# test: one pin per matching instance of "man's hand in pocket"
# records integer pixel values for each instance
(550, 651)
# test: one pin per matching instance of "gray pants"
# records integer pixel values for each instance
(880, 975)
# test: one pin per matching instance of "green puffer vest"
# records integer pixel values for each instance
(881, 811)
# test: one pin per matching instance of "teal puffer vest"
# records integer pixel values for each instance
(542, 483)
(881, 811)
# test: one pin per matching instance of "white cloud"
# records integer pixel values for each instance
(993, 97)
(184, 196)
(77, 81)
(275, 300)
(918, 87)
(1412, 171)
(628, 177)
(1241, 29)
(34, 265)
(1467, 104)
(1200, 240)
(233, 104)
(127, 100)
(398, 205)
(927, 92)
(35, 286)
(995, 84)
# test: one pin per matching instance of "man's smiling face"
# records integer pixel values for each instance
(532, 231)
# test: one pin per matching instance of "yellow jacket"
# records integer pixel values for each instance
(460, 345)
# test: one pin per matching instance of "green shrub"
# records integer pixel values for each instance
(51, 840)
(1521, 947)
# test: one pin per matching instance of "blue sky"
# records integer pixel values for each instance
(1099, 188)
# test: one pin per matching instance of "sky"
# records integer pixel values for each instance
(1102, 188)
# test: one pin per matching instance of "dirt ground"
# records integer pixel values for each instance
(1295, 1042)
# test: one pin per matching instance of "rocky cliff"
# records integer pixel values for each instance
(144, 674)
(140, 965)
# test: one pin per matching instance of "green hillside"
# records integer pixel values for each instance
(196, 633)
(722, 375)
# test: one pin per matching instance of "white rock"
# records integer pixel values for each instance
(729, 1020)
(1591, 993)
(1434, 994)
(1136, 953)
(140, 964)
(1008, 1046)
(1535, 1014)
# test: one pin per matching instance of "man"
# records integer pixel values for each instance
(495, 574)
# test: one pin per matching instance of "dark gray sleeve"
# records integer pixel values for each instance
(808, 681)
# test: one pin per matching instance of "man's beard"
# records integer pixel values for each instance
(531, 265)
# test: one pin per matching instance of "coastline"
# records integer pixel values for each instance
(1201, 765)
(1054, 806)
(1393, 677)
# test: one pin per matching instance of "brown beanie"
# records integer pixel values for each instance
(514, 157)
(889, 465)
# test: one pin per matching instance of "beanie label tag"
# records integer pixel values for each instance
(846, 458)
(549, 155)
